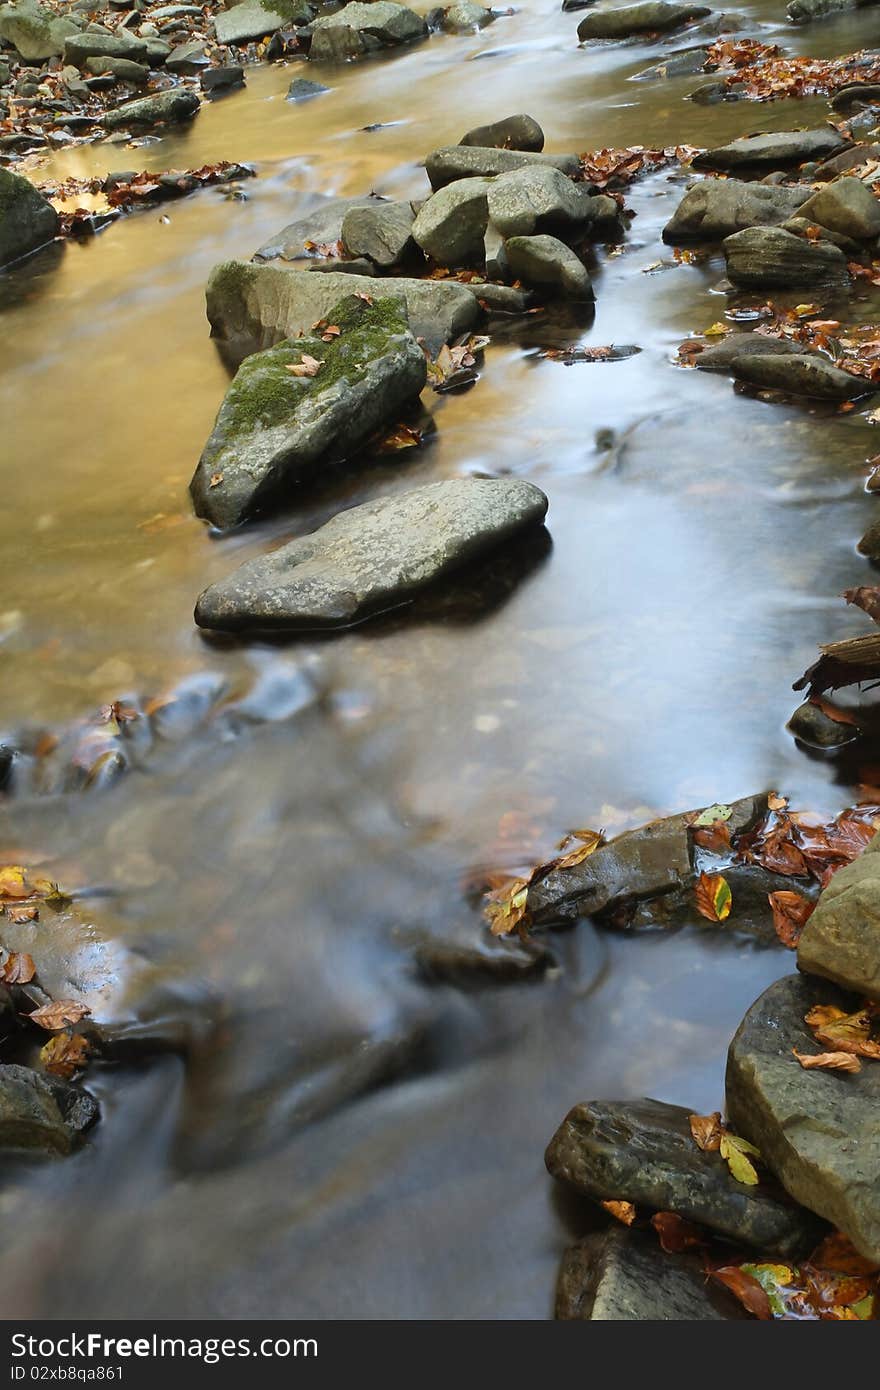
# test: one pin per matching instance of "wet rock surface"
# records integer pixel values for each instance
(846, 206)
(454, 162)
(303, 404)
(723, 356)
(621, 1275)
(360, 28)
(546, 262)
(254, 19)
(27, 220)
(372, 557)
(42, 1113)
(841, 940)
(818, 1131)
(527, 201)
(800, 374)
(654, 16)
(512, 133)
(177, 104)
(451, 225)
(716, 208)
(643, 1152)
(773, 151)
(769, 256)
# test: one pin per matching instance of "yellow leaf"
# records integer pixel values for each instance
(736, 1153)
(716, 330)
(621, 1211)
(12, 882)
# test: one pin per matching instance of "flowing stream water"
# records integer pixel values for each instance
(349, 1137)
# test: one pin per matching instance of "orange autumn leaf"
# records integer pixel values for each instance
(713, 897)
(65, 1054)
(828, 1061)
(675, 1234)
(59, 1013)
(621, 1211)
(837, 1252)
(18, 968)
(707, 1131)
(790, 912)
(746, 1288)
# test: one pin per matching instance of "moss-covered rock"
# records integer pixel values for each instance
(305, 403)
(27, 220)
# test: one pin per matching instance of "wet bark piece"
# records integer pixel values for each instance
(623, 1276)
(643, 1152)
(841, 941)
(819, 1131)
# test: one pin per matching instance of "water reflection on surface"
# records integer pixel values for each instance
(355, 1139)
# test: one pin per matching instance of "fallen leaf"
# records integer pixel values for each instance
(736, 1153)
(713, 814)
(828, 1061)
(12, 882)
(621, 1211)
(713, 896)
(18, 968)
(746, 1288)
(215, 480)
(790, 912)
(506, 907)
(60, 1012)
(307, 366)
(65, 1054)
(837, 1252)
(866, 597)
(675, 1234)
(708, 1131)
(717, 330)
(22, 912)
(588, 841)
(330, 332)
(401, 437)
(852, 1033)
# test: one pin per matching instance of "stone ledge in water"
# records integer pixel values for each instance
(40, 1112)
(276, 430)
(761, 257)
(642, 1151)
(800, 374)
(717, 208)
(254, 19)
(619, 1275)
(802, 11)
(841, 941)
(176, 104)
(818, 1131)
(518, 132)
(452, 162)
(373, 557)
(655, 16)
(27, 220)
(773, 151)
(360, 28)
(251, 307)
(465, 16)
(722, 357)
(320, 226)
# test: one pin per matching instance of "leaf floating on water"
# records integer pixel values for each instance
(746, 1288)
(714, 898)
(18, 968)
(58, 1014)
(717, 330)
(65, 1054)
(675, 1234)
(828, 1061)
(13, 882)
(401, 437)
(621, 1211)
(707, 1131)
(790, 912)
(736, 1152)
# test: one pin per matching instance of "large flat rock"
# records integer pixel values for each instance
(841, 941)
(320, 226)
(373, 557)
(769, 257)
(453, 162)
(643, 1152)
(251, 307)
(654, 16)
(819, 1131)
(620, 1275)
(773, 151)
(276, 430)
(800, 374)
(716, 208)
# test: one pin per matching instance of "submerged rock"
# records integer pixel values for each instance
(654, 16)
(359, 28)
(373, 557)
(819, 1131)
(27, 219)
(175, 104)
(773, 151)
(721, 357)
(41, 1112)
(716, 208)
(620, 1275)
(253, 19)
(526, 201)
(800, 374)
(643, 1152)
(768, 256)
(382, 232)
(546, 262)
(512, 133)
(846, 206)
(321, 226)
(453, 162)
(811, 725)
(841, 940)
(464, 16)
(34, 30)
(251, 307)
(301, 89)
(276, 430)
(451, 225)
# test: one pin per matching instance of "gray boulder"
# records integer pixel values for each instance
(643, 1152)
(453, 162)
(533, 200)
(276, 431)
(512, 133)
(451, 225)
(27, 219)
(812, 726)
(80, 46)
(847, 159)
(802, 11)
(380, 231)
(188, 58)
(251, 307)
(123, 69)
(819, 1131)
(41, 1112)
(545, 262)
(846, 206)
(35, 31)
(654, 16)
(361, 28)
(374, 556)
(800, 374)
(175, 104)
(466, 16)
(760, 257)
(841, 941)
(856, 95)
(221, 78)
(722, 356)
(254, 19)
(301, 89)
(620, 1275)
(716, 208)
(321, 226)
(683, 64)
(772, 151)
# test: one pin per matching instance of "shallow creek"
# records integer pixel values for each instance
(351, 1139)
